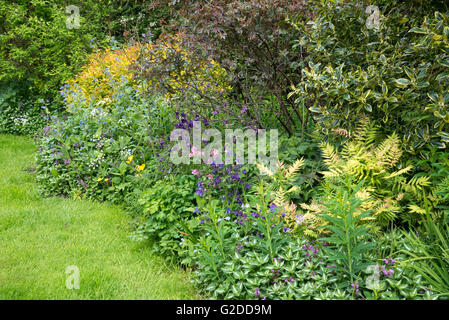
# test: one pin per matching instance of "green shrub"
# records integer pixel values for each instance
(136, 19)
(258, 260)
(397, 75)
(435, 164)
(163, 212)
(37, 46)
(18, 114)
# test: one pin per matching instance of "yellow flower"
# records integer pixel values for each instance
(141, 167)
(99, 179)
(130, 158)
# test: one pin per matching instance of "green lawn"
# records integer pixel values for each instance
(40, 238)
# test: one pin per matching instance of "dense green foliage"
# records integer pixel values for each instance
(18, 114)
(99, 152)
(37, 46)
(136, 19)
(395, 73)
(165, 209)
(44, 43)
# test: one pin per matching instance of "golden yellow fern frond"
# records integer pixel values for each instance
(264, 170)
(330, 156)
(387, 211)
(413, 208)
(389, 151)
(398, 173)
(310, 233)
(279, 197)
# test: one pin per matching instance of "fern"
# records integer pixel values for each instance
(363, 160)
(366, 132)
(280, 186)
(389, 152)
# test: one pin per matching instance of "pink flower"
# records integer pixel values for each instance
(195, 172)
(214, 153)
(195, 152)
(210, 176)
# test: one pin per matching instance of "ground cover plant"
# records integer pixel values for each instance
(354, 207)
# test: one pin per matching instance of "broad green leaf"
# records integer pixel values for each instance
(402, 82)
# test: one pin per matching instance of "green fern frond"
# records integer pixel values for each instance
(366, 131)
(416, 184)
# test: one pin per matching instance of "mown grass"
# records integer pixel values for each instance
(40, 238)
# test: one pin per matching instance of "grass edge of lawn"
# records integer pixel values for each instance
(42, 237)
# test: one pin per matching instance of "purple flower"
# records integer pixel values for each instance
(200, 191)
(355, 286)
